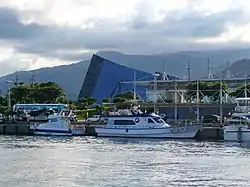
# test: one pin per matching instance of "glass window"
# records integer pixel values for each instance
(158, 120)
(150, 120)
(124, 122)
(54, 120)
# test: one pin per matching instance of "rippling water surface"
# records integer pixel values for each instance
(86, 161)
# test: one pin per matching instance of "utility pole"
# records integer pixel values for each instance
(33, 77)
(9, 93)
(17, 79)
(189, 71)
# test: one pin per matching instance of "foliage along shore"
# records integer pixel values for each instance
(50, 92)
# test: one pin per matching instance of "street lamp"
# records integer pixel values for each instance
(9, 101)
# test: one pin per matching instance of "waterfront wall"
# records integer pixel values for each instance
(190, 112)
(15, 129)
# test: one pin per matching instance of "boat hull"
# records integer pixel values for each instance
(52, 132)
(184, 132)
(239, 134)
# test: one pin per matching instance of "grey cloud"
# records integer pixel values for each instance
(12, 28)
(192, 24)
(138, 35)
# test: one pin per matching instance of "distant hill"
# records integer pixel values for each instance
(238, 69)
(176, 63)
(70, 77)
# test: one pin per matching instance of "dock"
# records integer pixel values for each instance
(205, 134)
(15, 129)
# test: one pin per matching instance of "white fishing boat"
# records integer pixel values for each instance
(131, 124)
(237, 127)
(57, 125)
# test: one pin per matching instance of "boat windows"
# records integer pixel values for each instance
(158, 120)
(54, 120)
(124, 122)
(150, 120)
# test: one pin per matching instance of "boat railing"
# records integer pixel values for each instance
(242, 109)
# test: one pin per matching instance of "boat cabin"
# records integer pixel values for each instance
(56, 122)
(138, 120)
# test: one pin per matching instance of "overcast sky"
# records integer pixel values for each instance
(38, 33)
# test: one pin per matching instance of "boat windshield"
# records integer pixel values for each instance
(158, 120)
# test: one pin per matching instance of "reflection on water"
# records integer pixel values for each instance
(86, 161)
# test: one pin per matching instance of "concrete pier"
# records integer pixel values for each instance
(206, 133)
(90, 131)
(210, 133)
(15, 129)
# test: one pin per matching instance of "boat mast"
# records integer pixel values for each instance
(198, 101)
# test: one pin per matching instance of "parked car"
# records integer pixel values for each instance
(93, 118)
(211, 119)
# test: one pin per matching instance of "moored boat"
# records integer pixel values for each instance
(57, 125)
(237, 127)
(135, 124)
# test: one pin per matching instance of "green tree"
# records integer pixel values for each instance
(119, 100)
(45, 92)
(209, 89)
(3, 101)
(240, 91)
(85, 102)
(106, 100)
(125, 95)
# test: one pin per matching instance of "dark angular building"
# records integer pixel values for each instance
(103, 79)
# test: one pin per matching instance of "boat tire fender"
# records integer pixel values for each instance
(137, 120)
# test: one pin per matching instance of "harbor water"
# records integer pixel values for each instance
(88, 161)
